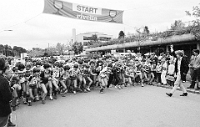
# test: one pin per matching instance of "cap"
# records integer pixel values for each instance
(179, 52)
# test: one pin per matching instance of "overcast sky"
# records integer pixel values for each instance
(42, 29)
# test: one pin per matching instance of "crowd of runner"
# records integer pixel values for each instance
(37, 80)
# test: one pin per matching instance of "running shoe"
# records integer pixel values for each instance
(55, 96)
(101, 91)
(50, 97)
(37, 98)
(88, 89)
(43, 101)
(24, 101)
(29, 103)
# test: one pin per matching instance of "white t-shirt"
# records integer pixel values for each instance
(171, 69)
(179, 65)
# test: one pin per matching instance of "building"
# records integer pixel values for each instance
(186, 42)
(73, 35)
(89, 36)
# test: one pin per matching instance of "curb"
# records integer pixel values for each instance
(188, 90)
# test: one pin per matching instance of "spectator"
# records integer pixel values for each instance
(196, 67)
(186, 59)
(192, 60)
(170, 73)
(164, 71)
(158, 72)
(5, 96)
(154, 58)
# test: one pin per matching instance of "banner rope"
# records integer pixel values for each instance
(135, 8)
(21, 22)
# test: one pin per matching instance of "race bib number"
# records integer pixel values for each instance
(56, 74)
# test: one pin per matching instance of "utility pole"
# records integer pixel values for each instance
(124, 40)
(6, 50)
(48, 49)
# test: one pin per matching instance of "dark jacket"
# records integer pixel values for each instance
(5, 97)
(184, 67)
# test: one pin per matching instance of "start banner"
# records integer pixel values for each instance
(83, 12)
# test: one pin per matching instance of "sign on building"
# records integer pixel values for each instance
(113, 51)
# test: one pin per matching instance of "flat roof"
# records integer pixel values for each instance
(160, 41)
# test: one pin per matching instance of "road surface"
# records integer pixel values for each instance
(129, 107)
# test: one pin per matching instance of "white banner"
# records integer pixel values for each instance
(83, 12)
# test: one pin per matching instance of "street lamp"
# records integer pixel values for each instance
(6, 48)
(8, 30)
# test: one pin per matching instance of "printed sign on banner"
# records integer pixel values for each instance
(82, 12)
(86, 9)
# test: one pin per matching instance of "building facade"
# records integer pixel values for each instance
(186, 42)
(90, 36)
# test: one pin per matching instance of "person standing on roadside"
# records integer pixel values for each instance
(186, 58)
(196, 70)
(5, 96)
(192, 60)
(181, 69)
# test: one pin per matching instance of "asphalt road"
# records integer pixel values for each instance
(129, 107)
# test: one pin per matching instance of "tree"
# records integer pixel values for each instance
(37, 49)
(52, 51)
(1, 49)
(19, 49)
(94, 38)
(60, 48)
(36, 53)
(146, 30)
(121, 35)
(195, 11)
(195, 27)
(178, 25)
(77, 48)
(81, 47)
(46, 54)
(8, 50)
